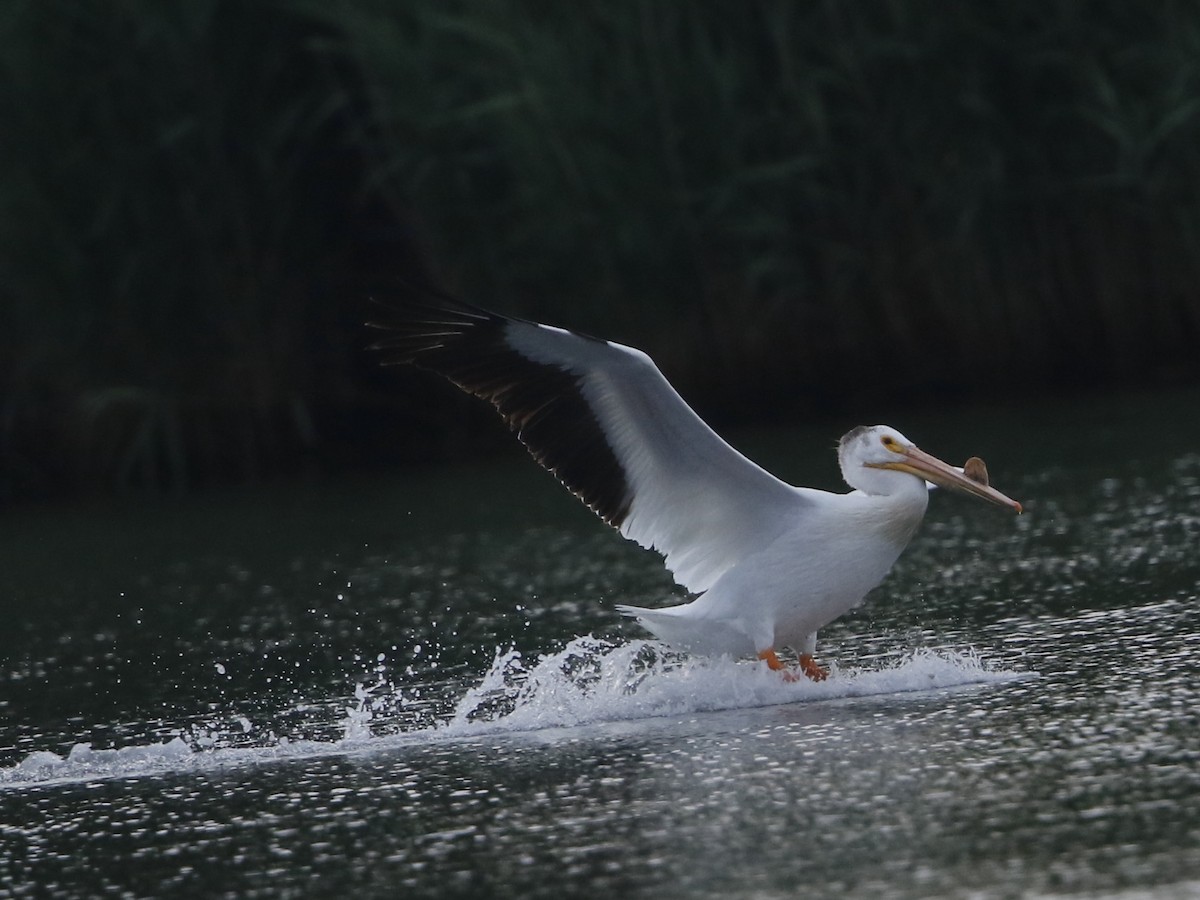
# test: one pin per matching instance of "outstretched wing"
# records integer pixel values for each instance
(605, 421)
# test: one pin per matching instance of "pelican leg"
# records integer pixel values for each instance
(808, 666)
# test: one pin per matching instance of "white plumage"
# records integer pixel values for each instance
(771, 563)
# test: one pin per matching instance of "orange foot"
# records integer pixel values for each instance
(808, 667)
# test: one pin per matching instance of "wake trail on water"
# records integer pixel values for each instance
(589, 681)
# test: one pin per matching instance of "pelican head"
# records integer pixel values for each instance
(878, 459)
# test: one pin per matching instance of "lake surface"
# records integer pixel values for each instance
(415, 685)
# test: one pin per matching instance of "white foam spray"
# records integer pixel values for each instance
(588, 681)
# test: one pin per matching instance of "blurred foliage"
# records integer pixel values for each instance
(816, 201)
(161, 230)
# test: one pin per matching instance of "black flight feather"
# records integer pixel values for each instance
(542, 402)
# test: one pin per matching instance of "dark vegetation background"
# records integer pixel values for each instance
(816, 202)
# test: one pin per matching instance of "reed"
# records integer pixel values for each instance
(821, 201)
(159, 239)
(815, 195)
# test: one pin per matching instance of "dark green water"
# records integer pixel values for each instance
(300, 691)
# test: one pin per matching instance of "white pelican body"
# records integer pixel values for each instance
(840, 547)
(771, 563)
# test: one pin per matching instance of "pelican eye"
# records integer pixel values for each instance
(890, 442)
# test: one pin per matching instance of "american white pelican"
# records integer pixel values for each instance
(770, 563)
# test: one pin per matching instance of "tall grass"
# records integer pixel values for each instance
(159, 235)
(828, 197)
(819, 201)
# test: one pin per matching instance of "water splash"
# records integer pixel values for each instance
(595, 681)
(588, 681)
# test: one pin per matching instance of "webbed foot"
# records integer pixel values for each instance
(808, 667)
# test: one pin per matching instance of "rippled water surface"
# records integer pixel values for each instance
(415, 685)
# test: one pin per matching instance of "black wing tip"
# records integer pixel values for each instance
(540, 401)
(410, 297)
(421, 320)
(422, 301)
